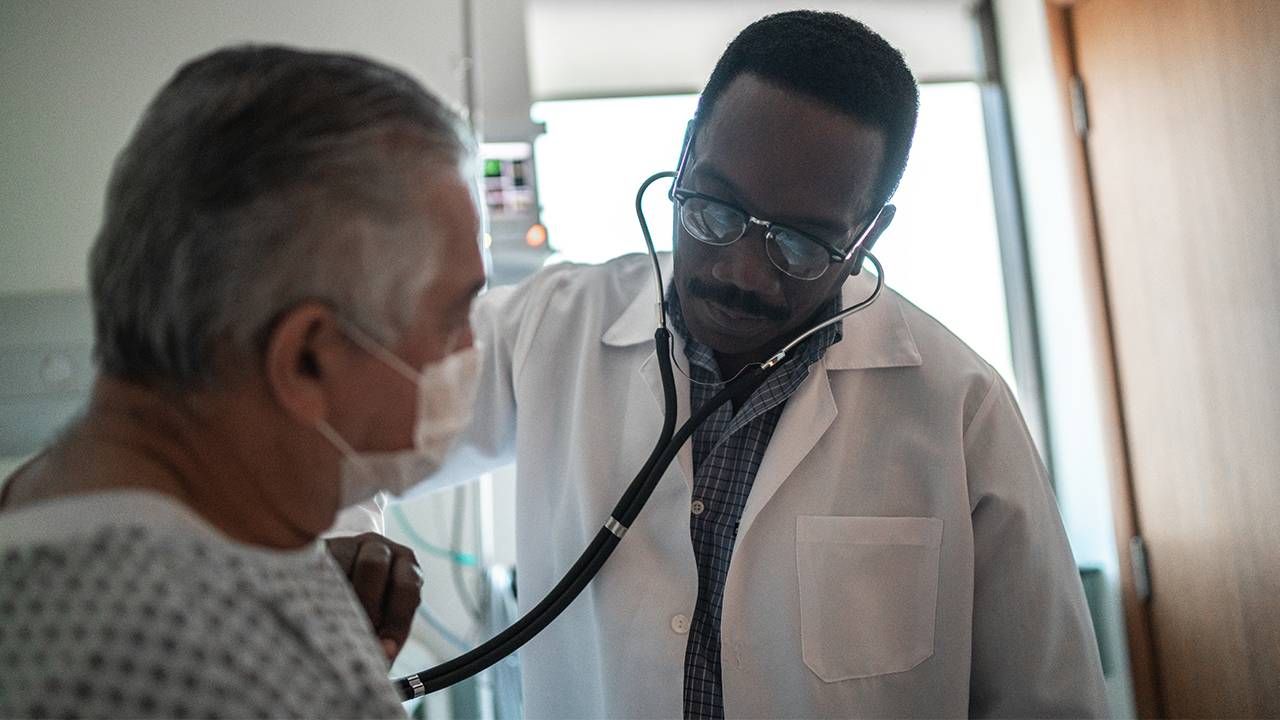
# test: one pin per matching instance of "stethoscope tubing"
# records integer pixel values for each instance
(605, 541)
(633, 499)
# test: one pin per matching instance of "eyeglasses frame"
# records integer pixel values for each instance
(679, 195)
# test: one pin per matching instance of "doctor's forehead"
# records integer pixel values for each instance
(778, 146)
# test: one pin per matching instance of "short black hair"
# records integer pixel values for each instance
(835, 60)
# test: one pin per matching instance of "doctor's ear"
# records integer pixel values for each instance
(881, 224)
(305, 349)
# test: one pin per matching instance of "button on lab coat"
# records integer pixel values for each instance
(900, 554)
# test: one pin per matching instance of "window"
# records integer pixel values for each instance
(942, 252)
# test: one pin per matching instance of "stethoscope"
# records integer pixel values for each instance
(642, 486)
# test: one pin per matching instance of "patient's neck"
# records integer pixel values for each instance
(208, 450)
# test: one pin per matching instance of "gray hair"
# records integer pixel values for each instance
(259, 178)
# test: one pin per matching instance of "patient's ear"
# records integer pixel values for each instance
(304, 358)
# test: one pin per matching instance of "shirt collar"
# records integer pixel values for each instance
(875, 337)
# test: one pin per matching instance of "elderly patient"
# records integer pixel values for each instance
(281, 289)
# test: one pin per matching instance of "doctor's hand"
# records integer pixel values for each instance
(388, 581)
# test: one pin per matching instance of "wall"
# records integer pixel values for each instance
(78, 75)
(588, 48)
(502, 74)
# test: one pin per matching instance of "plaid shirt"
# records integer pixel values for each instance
(727, 450)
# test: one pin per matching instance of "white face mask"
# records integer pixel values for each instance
(446, 394)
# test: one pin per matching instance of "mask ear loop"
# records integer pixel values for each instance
(349, 453)
(376, 349)
(339, 442)
(371, 346)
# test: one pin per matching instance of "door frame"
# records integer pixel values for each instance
(1139, 631)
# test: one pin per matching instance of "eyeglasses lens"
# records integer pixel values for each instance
(711, 222)
(718, 224)
(796, 255)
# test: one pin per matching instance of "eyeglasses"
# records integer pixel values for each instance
(798, 254)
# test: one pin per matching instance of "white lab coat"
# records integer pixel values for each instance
(901, 553)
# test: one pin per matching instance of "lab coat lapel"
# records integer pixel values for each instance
(636, 326)
(653, 378)
(808, 414)
(877, 337)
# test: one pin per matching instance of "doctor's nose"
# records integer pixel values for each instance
(745, 264)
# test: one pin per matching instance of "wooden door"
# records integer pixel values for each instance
(1183, 148)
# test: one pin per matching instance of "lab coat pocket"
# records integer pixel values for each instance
(868, 593)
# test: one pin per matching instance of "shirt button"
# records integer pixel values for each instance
(680, 624)
(697, 507)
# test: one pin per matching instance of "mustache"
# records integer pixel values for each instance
(737, 299)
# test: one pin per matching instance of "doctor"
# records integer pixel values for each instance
(871, 533)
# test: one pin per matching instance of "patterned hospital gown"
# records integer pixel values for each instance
(126, 604)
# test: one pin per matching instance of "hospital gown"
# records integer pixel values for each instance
(126, 604)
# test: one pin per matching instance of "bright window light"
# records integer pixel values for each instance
(592, 160)
(941, 252)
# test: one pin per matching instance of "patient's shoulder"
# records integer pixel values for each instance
(147, 618)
